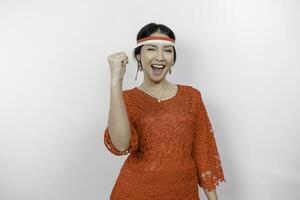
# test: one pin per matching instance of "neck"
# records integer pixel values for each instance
(155, 86)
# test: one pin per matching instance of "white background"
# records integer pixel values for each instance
(54, 81)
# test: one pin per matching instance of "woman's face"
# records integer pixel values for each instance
(156, 54)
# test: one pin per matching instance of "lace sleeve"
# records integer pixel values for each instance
(204, 151)
(133, 143)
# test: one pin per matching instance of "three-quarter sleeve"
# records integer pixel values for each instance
(204, 150)
(133, 143)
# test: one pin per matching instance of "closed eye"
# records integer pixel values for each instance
(154, 49)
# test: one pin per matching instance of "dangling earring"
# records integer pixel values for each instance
(139, 68)
(170, 71)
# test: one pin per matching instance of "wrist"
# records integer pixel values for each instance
(116, 82)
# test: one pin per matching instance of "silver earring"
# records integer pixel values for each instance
(140, 66)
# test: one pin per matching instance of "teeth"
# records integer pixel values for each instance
(159, 66)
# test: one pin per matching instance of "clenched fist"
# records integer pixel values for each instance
(117, 63)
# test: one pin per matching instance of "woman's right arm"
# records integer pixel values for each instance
(118, 122)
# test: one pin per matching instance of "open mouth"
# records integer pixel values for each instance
(157, 69)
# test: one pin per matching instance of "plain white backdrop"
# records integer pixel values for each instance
(54, 82)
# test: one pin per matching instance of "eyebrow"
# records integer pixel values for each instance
(156, 46)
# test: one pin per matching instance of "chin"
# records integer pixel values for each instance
(158, 78)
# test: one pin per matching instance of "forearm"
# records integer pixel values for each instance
(211, 195)
(118, 122)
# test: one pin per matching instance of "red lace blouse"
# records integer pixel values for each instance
(172, 148)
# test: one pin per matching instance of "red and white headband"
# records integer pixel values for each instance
(156, 40)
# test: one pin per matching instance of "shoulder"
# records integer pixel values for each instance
(192, 91)
(129, 91)
(129, 94)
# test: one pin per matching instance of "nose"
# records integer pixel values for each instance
(160, 55)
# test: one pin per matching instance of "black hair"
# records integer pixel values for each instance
(147, 30)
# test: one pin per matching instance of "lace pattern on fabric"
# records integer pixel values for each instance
(205, 152)
(172, 148)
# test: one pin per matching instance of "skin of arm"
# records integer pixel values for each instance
(211, 195)
(118, 122)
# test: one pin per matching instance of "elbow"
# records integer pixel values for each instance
(211, 194)
(120, 143)
(121, 147)
(120, 140)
